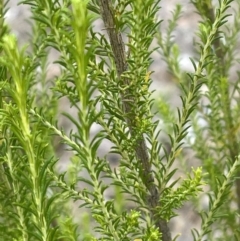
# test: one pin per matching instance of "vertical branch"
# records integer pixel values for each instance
(206, 9)
(231, 136)
(141, 151)
(217, 42)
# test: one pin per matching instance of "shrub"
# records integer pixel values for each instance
(106, 77)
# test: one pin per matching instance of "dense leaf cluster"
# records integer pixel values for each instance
(106, 77)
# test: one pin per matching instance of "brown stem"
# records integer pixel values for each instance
(141, 151)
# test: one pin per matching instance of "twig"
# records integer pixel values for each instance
(118, 49)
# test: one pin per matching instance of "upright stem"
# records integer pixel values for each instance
(141, 151)
(231, 136)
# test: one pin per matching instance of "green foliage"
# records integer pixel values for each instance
(106, 77)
